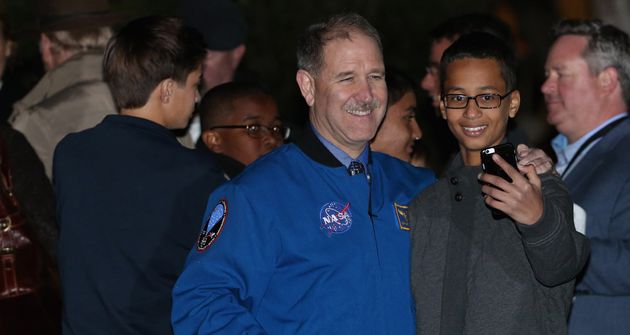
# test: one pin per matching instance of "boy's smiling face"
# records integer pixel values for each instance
(476, 128)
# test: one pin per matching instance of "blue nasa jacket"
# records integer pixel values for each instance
(295, 245)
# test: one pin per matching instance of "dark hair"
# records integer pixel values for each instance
(457, 26)
(310, 48)
(218, 102)
(607, 46)
(481, 45)
(147, 51)
(397, 85)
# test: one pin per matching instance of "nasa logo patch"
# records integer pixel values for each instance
(402, 214)
(336, 218)
(213, 227)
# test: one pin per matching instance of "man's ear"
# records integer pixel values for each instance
(515, 103)
(213, 141)
(167, 87)
(237, 55)
(306, 82)
(442, 109)
(8, 48)
(608, 80)
(46, 53)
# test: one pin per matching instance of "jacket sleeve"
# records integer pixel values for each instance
(608, 271)
(38, 133)
(221, 286)
(556, 252)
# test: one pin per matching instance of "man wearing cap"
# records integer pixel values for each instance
(72, 95)
(224, 30)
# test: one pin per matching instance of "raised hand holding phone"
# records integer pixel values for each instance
(506, 151)
(520, 199)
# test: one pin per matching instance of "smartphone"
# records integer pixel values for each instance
(506, 151)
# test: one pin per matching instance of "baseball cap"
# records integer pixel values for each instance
(219, 21)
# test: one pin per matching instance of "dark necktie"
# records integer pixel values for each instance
(355, 168)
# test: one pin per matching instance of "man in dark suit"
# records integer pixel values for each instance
(587, 92)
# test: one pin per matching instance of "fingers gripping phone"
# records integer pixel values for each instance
(507, 152)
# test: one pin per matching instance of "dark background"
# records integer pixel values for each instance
(274, 27)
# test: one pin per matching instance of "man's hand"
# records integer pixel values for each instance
(536, 157)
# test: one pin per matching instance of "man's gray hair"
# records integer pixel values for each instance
(608, 46)
(310, 48)
(81, 40)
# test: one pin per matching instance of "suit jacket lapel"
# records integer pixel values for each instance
(596, 156)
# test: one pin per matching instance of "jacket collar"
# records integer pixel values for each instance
(230, 166)
(583, 170)
(315, 149)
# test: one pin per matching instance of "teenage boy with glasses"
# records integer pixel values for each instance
(472, 273)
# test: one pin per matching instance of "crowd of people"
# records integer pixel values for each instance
(166, 195)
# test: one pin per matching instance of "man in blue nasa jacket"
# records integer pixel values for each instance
(313, 237)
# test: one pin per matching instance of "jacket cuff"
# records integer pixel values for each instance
(546, 225)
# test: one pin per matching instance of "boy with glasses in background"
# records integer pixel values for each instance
(240, 123)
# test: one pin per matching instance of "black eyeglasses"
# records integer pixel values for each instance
(258, 130)
(484, 101)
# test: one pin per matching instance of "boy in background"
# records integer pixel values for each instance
(240, 123)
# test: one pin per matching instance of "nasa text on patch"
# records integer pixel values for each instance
(335, 218)
(402, 214)
(213, 227)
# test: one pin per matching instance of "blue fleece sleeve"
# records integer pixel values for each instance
(224, 279)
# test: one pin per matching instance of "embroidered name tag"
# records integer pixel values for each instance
(402, 214)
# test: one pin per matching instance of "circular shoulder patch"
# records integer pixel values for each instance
(213, 227)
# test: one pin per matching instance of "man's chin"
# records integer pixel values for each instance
(553, 120)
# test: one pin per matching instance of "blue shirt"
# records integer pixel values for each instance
(341, 155)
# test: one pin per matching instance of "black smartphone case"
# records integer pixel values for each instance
(508, 153)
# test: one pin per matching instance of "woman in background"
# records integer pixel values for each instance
(399, 131)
